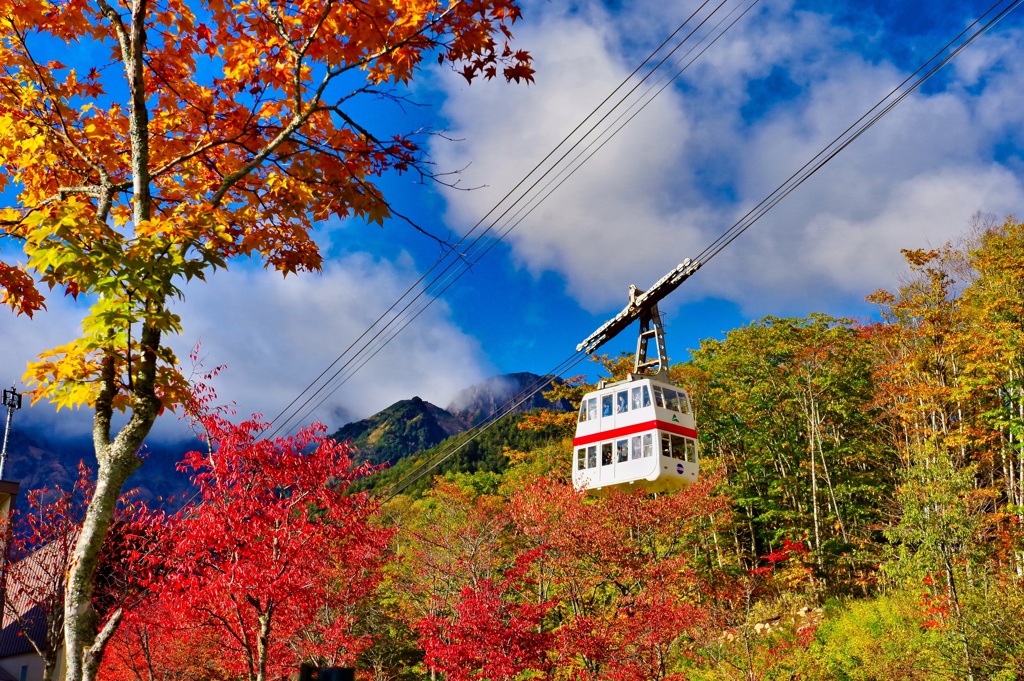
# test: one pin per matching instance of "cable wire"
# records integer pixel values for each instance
(508, 408)
(449, 273)
(859, 127)
(842, 141)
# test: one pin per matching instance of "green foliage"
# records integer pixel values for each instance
(786, 405)
(939, 527)
(994, 610)
(485, 453)
(403, 428)
(876, 640)
(905, 633)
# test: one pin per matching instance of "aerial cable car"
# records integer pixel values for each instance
(639, 431)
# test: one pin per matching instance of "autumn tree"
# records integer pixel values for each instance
(155, 644)
(631, 578)
(459, 535)
(785, 407)
(178, 136)
(493, 633)
(464, 582)
(994, 372)
(949, 384)
(273, 560)
(41, 553)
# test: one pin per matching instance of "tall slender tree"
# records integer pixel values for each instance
(784, 405)
(922, 390)
(178, 136)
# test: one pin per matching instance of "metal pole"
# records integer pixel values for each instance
(12, 400)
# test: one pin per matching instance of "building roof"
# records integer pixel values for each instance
(31, 585)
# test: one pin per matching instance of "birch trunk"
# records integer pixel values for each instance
(116, 457)
(116, 461)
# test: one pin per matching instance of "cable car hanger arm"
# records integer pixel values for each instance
(639, 304)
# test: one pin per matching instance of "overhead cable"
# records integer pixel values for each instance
(942, 57)
(453, 264)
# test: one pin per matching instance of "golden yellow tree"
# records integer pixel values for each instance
(204, 131)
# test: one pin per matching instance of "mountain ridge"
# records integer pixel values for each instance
(39, 459)
(413, 425)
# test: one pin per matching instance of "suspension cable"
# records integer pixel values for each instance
(858, 128)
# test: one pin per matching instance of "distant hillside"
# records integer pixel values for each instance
(476, 403)
(403, 428)
(484, 453)
(411, 426)
(38, 460)
(35, 463)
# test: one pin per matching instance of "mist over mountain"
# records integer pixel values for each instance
(409, 426)
(476, 403)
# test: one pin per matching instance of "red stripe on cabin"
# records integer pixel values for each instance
(625, 431)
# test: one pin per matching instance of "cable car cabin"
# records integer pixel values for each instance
(635, 432)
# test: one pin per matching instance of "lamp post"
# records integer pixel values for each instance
(12, 400)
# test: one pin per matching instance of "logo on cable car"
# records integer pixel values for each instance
(679, 468)
(675, 419)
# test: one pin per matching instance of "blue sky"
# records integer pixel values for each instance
(765, 98)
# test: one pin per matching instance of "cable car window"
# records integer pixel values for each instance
(592, 456)
(684, 403)
(647, 397)
(583, 411)
(606, 405)
(672, 399)
(666, 445)
(657, 397)
(679, 448)
(648, 447)
(592, 409)
(691, 451)
(621, 402)
(621, 450)
(636, 397)
(637, 451)
(606, 453)
(581, 458)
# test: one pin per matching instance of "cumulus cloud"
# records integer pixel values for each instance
(22, 340)
(277, 336)
(765, 99)
(614, 204)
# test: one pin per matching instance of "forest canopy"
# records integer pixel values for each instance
(859, 515)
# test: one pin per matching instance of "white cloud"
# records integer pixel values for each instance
(22, 340)
(276, 336)
(586, 221)
(704, 153)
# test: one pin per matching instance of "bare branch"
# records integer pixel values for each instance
(300, 117)
(66, 131)
(103, 638)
